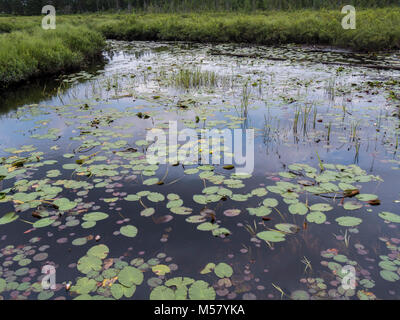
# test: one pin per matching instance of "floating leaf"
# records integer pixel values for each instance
(389, 216)
(132, 197)
(117, 291)
(129, 231)
(43, 223)
(200, 199)
(300, 295)
(8, 217)
(298, 208)
(232, 212)
(389, 275)
(388, 265)
(89, 263)
(161, 269)
(366, 197)
(100, 251)
(201, 290)
(223, 270)
(151, 181)
(84, 286)
(271, 236)
(321, 207)
(147, 212)
(348, 221)
(3, 285)
(130, 276)
(64, 204)
(287, 227)
(208, 268)
(207, 226)
(95, 216)
(260, 211)
(155, 197)
(270, 202)
(162, 293)
(316, 217)
(351, 205)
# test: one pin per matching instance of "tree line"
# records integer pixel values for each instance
(34, 7)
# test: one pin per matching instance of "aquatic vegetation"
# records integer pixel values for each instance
(193, 79)
(79, 194)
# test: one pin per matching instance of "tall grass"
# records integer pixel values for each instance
(26, 50)
(194, 78)
(36, 52)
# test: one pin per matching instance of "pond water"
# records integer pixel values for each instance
(77, 192)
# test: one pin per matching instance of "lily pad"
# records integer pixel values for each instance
(389, 216)
(201, 290)
(298, 208)
(130, 276)
(223, 270)
(316, 217)
(271, 236)
(348, 221)
(129, 231)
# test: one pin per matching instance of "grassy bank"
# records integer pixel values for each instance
(35, 52)
(26, 50)
(377, 29)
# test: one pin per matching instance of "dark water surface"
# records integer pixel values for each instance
(302, 104)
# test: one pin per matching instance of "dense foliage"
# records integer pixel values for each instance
(36, 52)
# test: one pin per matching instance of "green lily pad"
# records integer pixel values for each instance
(321, 207)
(351, 205)
(201, 290)
(270, 202)
(271, 236)
(348, 221)
(208, 268)
(147, 212)
(162, 293)
(298, 208)
(95, 216)
(389, 216)
(117, 291)
(389, 275)
(366, 197)
(161, 269)
(287, 227)
(100, 251)
(316, 217)
(300, 295)
(130, 276)
(207, 226)
(43, 223)
(8, 218)
(223, 270)
(129, 231)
